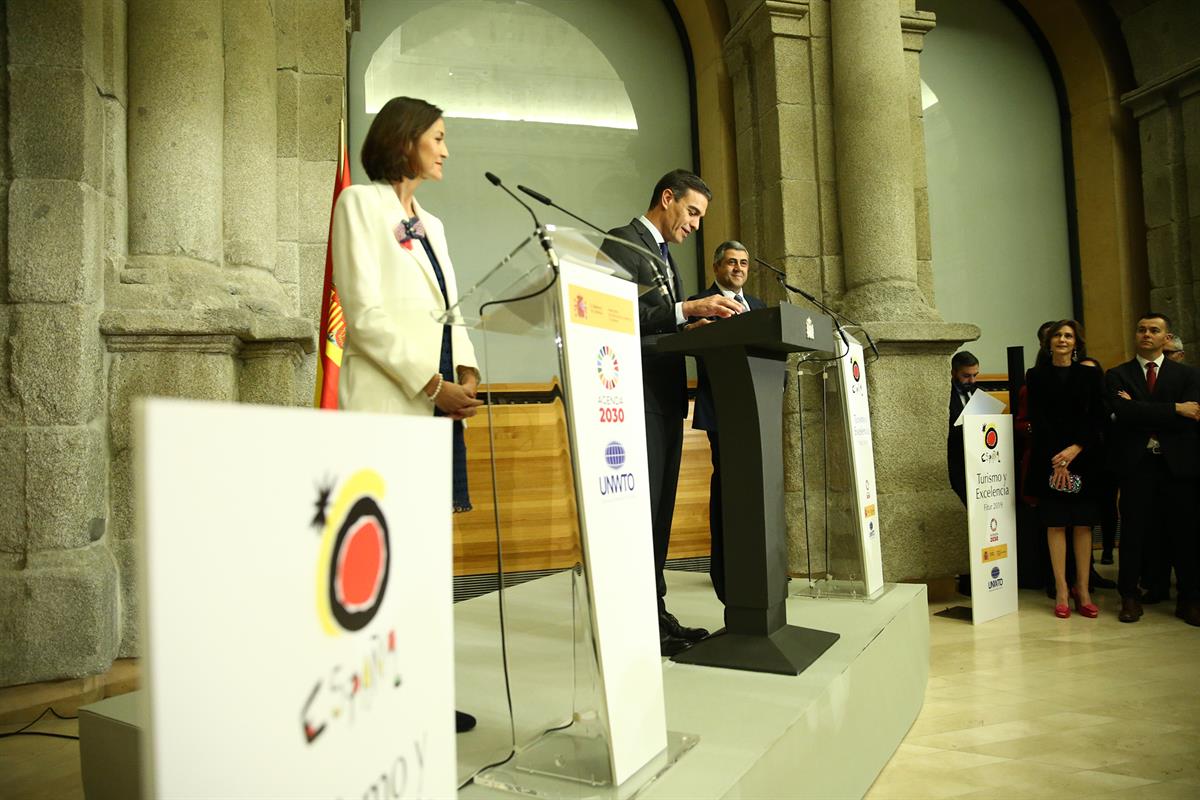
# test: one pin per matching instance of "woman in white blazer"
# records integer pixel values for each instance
(393, 276)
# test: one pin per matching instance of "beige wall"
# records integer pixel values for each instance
(1112, 245)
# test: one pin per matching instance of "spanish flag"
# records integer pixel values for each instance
(332, 333)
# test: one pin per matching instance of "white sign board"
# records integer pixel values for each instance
(991, 515)
(296, 590)
(852, 370)
(602, 350)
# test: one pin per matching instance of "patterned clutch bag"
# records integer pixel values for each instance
(1073, 486)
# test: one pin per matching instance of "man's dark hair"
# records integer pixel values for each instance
(679, 181)
(963, 358)
(730, 244)
(1157, 315)
(389, 153)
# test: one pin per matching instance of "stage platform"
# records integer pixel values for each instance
(825, 733)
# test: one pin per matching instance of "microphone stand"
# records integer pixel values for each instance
(541, 198)
(837, 317)
(538, 229)
(660, 280)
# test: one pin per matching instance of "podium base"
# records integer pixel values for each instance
(564, 765)
(788, 651)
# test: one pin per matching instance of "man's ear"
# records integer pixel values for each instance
(666, 198)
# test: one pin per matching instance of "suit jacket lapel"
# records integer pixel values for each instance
(651, 245)
(417, 255)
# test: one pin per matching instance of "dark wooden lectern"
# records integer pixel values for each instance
(746, 359)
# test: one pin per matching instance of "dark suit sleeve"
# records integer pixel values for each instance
(1147, 414)
(655, 313)
(709, 292)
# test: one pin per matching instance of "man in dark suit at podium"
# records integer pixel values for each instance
(964, 369)
(1153, 451)
(679, 201)
(731, 267)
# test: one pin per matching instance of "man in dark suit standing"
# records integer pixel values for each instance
(1155, 409)
(679, 201)
(731, 267)
(964, 369)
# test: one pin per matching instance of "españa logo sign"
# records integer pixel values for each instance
(353, 565)
(355, 554)
(600, 310)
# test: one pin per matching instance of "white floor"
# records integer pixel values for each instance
(1030, 706)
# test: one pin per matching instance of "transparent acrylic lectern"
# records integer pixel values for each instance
(840, 544)
(560, 664)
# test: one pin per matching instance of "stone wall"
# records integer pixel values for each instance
(1165, 53)
(832, 186)
(167, 208)
(58, 576)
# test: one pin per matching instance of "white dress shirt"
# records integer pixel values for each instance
(659, 240)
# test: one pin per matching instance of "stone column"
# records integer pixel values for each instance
(176, 89)
(875, 162)
(249, 136)
(830, 170)
(58, 578)
(1167, 111)
(784, 169)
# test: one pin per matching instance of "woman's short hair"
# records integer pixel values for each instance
(1076, 328)
(389, 153)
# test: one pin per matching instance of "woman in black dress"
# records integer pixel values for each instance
(1066, 414)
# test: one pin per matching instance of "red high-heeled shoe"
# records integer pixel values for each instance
(1062, 611)
(1089, 610)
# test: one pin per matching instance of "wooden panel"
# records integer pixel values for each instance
(534, 484)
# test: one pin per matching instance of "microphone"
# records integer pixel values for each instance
(834, 314)
(659, 280)
(538, 229)
(783, 276)
(546, 201)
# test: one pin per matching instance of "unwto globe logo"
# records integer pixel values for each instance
(614, 455)
(608, 368)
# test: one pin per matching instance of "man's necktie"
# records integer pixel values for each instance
(742, 300)
(1151, 376)
(662, 248)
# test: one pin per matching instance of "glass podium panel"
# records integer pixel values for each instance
(830, 541)
(526, 657)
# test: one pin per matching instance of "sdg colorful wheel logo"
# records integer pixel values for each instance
(990, 437)
(355, 554)
(608, 368)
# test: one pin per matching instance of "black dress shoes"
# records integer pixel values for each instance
(1106, 557)
(1131, 610)
(463, 722)
(669, 645)
(1098, 581)
(1153, 597)
(669, 626)
(1188, 612)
